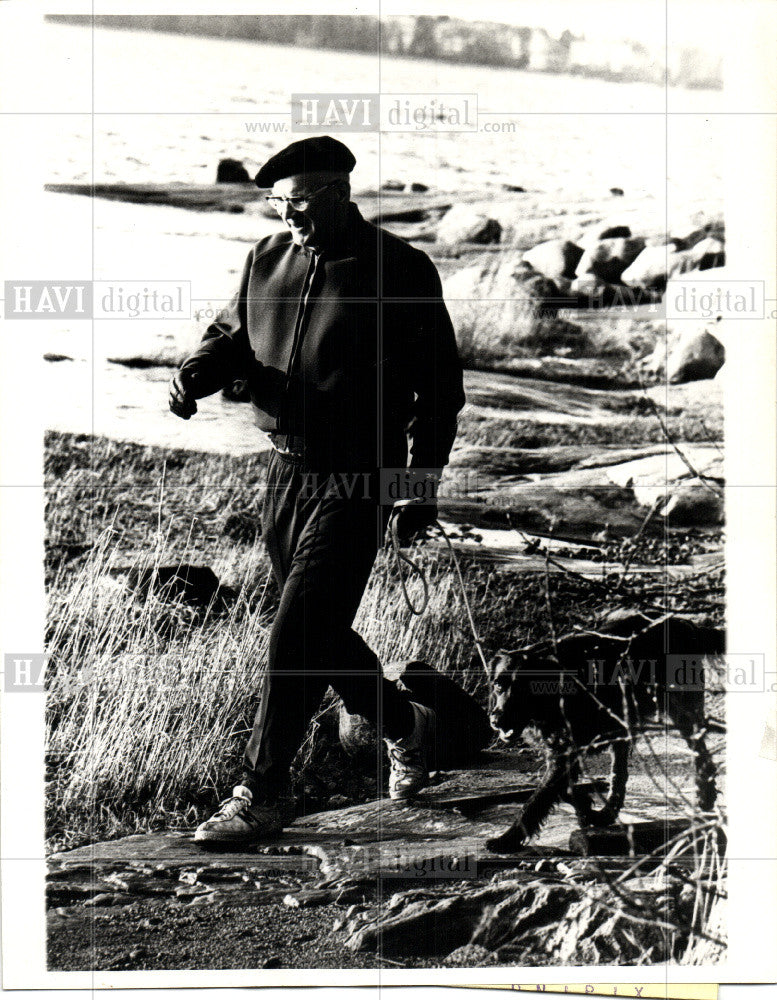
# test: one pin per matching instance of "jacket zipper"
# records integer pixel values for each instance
(310, 277)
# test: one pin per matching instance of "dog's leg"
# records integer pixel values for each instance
(619, 774)
(539, 806)
(706, 792)
(691, 726)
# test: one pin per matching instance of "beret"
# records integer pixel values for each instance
(319, 152)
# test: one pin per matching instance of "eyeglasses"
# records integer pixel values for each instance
(300, 203)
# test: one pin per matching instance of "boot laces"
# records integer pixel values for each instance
(230, 807)
(402, 758)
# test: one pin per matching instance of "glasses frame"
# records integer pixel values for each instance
(304, 201)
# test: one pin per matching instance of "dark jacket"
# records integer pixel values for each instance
(364, 366)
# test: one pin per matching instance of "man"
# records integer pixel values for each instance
(340, 331)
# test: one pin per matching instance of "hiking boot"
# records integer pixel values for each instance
(409, 756)
(239, 820)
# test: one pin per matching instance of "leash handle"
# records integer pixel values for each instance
(415, 568)
(419, 609)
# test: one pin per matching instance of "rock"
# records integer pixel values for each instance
(514, 187)
(654, 266)
(707, 253)
(469, 956)
(555, 259)
(695, 355)
(591, 292)
(466, 224)
(618, 192)
(418, 187)
(686, 237)
(410, 925)
(594, 233)
(392, 185)
(189, 891)
(232, 172)
(310, 897)
(693, 505)
(545, 924)
(108, 899)
(339, 801)
(206, 899)
(502, 308)
(462, 730)
(615, 233)
(64, 895)
(608, 259)
(533, 907)
(192, 584)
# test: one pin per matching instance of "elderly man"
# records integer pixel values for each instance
(340, 332)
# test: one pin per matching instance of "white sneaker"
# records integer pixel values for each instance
(239, 821)
(409, 756)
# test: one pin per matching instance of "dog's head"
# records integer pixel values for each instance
(509, 702)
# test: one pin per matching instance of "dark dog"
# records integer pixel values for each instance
(596, 690)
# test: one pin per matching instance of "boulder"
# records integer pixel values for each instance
(654, 266)
(196, 585)
(615, 233)
(707, 253)
(418, 187)
(231, 172)
(696, 354)
(688, 236)
(462, 730)
(604, 230)
(467, 224)
(591, 292)
(556, 259)
(392, 185)
(608, 259)
(502, 308)
(693, 505)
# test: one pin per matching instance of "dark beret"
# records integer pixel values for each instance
(319, 152)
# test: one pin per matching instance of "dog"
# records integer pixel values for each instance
(588, 691)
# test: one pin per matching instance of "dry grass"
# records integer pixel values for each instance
(150, 700)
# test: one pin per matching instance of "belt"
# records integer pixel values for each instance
(288, 445)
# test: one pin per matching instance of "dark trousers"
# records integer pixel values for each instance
(322, 534)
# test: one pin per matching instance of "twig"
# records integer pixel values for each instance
(548, 603)
(635, 540)
(704, 480)
(159, 504)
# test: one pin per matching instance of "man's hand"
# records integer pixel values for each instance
(182, 402)
(412, 519)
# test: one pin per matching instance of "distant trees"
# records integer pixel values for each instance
(438, 37)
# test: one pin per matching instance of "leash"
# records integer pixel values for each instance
(419, 609)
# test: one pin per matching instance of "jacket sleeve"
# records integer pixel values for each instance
(437, 377)
(224, 353)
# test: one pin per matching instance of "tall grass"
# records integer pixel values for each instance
(150, 701)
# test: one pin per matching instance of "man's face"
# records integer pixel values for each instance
(311, 224)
